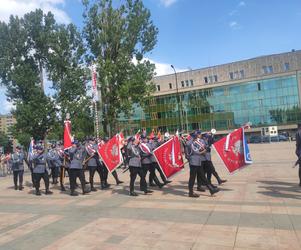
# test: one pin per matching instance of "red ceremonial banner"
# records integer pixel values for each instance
(169, 157)
(110, 153)
(231, 150)
(67, 134)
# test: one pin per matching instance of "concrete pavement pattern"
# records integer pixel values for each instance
(258, 208)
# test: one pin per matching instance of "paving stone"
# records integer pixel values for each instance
(258, 208)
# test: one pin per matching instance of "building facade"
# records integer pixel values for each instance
(6, 122)
(264, 91)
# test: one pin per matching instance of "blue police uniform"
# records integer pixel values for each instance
(18, 168)
(39, 171)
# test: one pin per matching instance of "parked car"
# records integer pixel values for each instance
(279, 138)
(255, 139)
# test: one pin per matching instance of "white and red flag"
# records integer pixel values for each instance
(169, 157)
(67, 135)
(110, 153)
(233, 150)
(145, 149)
(94, 84)
(137, 135)
(121, 140)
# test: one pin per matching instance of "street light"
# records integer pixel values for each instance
(178, 99)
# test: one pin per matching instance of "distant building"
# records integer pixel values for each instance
(6, 122)
(264, 90)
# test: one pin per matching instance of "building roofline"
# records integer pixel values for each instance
(240, 61)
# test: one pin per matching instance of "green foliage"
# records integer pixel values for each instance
(5, 143)
(34, 46)
(117, 36)
(290, 115)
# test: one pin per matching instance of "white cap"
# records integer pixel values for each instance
(166, 135)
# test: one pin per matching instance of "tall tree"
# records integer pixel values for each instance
(118, 37)
(24, 48)
(70, 77)
(36, 47)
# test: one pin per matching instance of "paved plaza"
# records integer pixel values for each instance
(258, 208)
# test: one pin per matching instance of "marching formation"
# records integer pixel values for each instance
(138, 156)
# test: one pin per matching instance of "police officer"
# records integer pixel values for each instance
(208, 165)
(153, 179)
(93, 162)
(298, 150)
(196, 158)
(135, 167)
(65, 163)
(39, 170)
(54, 163)
(145, 151)
(77, 155)
(18, 167)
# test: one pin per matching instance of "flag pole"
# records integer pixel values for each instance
(95, 98)
(96, 120)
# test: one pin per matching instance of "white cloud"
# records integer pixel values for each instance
(167, 3)
(236, 10)
(164, 68)
(21, 7)
(234, 25)
(233, 12)
(241, 4)
(161, 68)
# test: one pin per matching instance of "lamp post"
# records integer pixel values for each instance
(178, 99)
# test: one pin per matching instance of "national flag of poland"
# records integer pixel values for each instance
(233, 150)
(121, 140)
(145, 149)
(94, 84)
(30, 149)
(67, 135)
(169, 157)
(152, 135)
(137, 135)
(110, 153)
(159, 136)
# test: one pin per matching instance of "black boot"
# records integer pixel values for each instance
(201, 189)
(193, 195)
(48, 191)
(86, 192)
(219, 180)
(104, 185)
(21, 187)
(212, 189)
(73, 193)
(63, 188)
(132, 193)
(114, 173)
(93, 189)
(158, 183)
(16, 187)
(38, 193)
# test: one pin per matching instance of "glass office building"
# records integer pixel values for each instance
(264, 101)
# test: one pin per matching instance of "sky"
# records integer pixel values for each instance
(195, 33)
